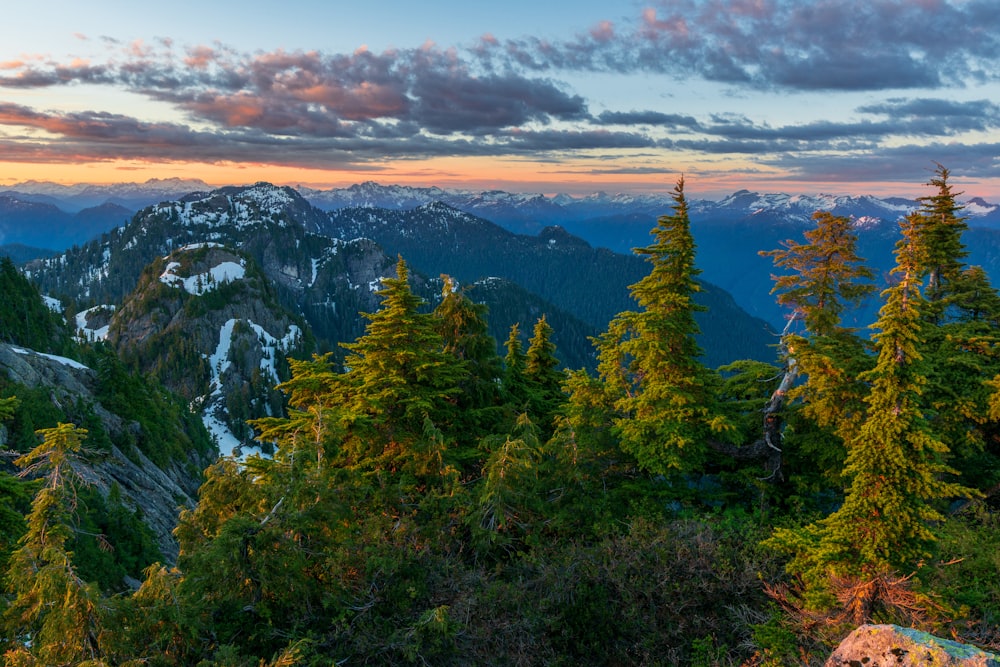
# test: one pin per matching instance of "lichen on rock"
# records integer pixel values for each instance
(891, 645)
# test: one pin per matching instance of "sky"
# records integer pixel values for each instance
(795, 96)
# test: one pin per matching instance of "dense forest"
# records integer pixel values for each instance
(432, 502)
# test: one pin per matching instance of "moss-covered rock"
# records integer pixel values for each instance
(884, 645)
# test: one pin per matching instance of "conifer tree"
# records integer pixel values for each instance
(400, 376)
(507, 499)
(895, 462)
(649, 360)
(542, 375)
(54, 618)
(825, 277)
(964, 308)
(941, 253)
(465, 332)
(515, 366)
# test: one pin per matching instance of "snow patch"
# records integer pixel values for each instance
(52, 303)
(83, 324)
(219, 363)
(72, 363)
(201, 283)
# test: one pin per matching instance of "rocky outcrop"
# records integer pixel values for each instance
(885, 645)
(158, 494)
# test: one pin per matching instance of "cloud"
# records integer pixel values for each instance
(505, 97)
(98, 136)
(784, 44)
(910, 163)
(656, 118)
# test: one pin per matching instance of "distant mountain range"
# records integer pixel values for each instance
(530, 211)
(730, 232)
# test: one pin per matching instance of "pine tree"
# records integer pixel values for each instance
(649, 360)
(54, 618)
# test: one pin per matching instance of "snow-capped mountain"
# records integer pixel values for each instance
(532, 211)
(133, 196)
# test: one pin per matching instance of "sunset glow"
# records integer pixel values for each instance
(778, 96)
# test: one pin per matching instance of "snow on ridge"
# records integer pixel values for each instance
(198, 284)
(978, 208)
(268, 195)
(219, 363)
(52, 303)
(83, 323)
(72, 363)
(190, 247)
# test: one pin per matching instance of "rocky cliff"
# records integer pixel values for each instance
(158, 492)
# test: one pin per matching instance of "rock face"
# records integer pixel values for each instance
(159, 493)
(885, 645)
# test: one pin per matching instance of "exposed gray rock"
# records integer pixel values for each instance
(885, 645)
(158, 494)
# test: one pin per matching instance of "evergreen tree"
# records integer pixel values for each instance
(542, 375)
(24, 317)
(824, 278)
(965, 309)
(941, 253)
(507, 495)
(464, 330)
(54, 618)
(399, 377)
(649, 360)
(826, 275)
(895, 461)
(515, 365)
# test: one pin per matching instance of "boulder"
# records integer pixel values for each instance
(885, 645)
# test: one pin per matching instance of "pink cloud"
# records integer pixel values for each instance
(603, 31)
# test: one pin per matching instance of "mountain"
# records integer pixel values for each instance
(144, 445)
(325, 279)
(533, 211)
(132, 196)
(210, 293)
(22, 254)
(43, 225)
(592, 283)
(67, 390)
(205, 320)
(729, 232)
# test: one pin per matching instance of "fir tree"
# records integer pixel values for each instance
(400, 376)
(515, 365)
(895, 462)
(465, 333)
(941, 253)
(649, 360)
(542, 375)
(826, 275)
(965, 309)
(54, 618)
